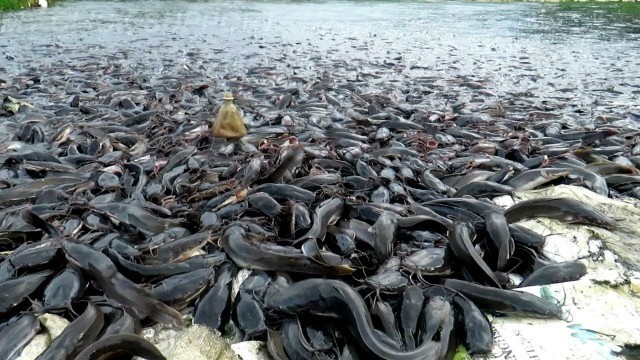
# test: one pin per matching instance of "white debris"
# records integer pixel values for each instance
(52, 327)
(35, 347)
(602, 315)
(251, 350)
(634, 282)
(195, 342)
(243, 274)
(54, 324)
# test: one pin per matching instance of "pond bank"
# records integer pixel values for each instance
(23, 4)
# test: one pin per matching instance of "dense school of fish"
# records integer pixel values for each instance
(118, 210)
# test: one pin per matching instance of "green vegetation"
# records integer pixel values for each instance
(615, 9)
(13, 4)
(19, 4)
(461, 353)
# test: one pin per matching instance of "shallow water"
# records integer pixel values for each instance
(583, 53)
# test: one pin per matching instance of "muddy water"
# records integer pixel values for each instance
(584, 55)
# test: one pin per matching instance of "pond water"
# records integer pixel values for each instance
(583, 52)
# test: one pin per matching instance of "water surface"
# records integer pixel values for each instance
(576, 51)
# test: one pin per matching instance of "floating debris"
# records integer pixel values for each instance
(228, 124)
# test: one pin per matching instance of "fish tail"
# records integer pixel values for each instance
(164, 314)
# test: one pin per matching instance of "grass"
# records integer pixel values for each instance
(18, 4)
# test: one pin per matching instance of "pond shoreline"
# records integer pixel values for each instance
(7, 5)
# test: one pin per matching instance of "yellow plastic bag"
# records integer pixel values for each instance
(228, 124)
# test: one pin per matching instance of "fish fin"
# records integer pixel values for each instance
(32, 219)
(165, 314)
(37, 307)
